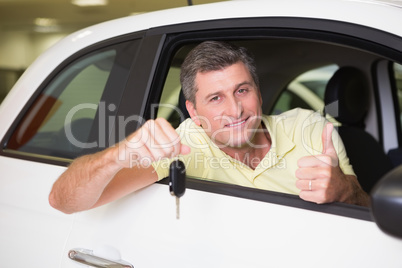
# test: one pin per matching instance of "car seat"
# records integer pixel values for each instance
(347, 100)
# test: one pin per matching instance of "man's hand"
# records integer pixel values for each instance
(155, 140)
(322, 181)
(93, 180)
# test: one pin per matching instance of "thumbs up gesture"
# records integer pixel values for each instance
(320, 178)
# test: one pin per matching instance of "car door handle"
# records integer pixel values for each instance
(86, 257)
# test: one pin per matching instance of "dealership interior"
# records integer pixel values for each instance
(29, 27)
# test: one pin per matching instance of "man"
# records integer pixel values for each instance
(227, 139)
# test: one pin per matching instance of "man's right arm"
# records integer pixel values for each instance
(97, 179)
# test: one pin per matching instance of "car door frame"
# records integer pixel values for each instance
(344, 33)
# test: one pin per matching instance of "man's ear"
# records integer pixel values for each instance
(192, 112)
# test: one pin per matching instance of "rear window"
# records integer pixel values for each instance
(59, 121)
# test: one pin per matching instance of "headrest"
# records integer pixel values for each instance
(347, 96)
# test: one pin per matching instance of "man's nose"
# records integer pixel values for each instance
(233, 108)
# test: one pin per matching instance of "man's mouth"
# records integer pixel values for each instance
(238, 123)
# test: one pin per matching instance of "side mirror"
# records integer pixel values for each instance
(386, 203)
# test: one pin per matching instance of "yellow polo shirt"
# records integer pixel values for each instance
(294, 134)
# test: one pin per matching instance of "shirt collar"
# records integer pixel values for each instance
(280, 142)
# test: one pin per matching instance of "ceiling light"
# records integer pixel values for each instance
(45, 22)
(46, 25)
(47, 29)
(86, 3)
(136, 13)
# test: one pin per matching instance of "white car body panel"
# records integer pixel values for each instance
(214, 230)
(27, 221)
(279, 236)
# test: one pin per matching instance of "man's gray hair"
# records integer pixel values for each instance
(212, 56)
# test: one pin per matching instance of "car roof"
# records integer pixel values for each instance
(396, 3)
(353, 11)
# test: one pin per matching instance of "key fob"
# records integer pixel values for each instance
(177, 178)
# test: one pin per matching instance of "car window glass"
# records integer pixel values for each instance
(305, 91)
(59, 121)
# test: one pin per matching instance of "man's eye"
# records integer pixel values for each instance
(216, 98)
(242, 90)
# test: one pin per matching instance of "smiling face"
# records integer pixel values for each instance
(227, 106)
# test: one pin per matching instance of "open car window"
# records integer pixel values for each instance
(169, 107)
(287, 79)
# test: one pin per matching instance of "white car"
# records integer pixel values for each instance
(98, 85)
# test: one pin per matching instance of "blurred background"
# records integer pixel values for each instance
(29, 27)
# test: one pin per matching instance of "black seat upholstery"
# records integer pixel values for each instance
(347, 100)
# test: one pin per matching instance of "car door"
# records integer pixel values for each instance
(223, 225)
(52, 128)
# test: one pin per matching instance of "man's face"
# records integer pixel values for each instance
(228, 105)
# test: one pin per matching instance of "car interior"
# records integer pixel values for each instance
(349, 90)
(349, 87)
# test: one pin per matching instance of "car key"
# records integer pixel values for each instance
(177, 182)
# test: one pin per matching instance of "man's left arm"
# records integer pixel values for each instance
(321, 180)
